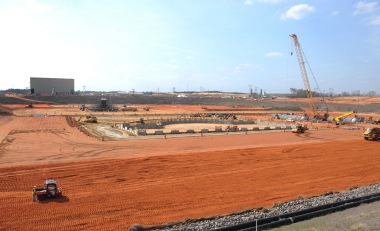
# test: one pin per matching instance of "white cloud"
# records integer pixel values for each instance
(334, 13)
(130, 65)
(221, 68)
(241, 67)
(190, 57)
(364, 7)
(375, 21)
(298, 12)
(274, 54)
(248, 2)
(270, 1)
(172, 66)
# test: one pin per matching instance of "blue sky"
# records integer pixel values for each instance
(221, 45)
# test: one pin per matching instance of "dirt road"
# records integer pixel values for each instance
(112, 185)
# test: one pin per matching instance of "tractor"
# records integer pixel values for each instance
(50, 190)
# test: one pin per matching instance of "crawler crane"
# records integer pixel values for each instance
(306, 83)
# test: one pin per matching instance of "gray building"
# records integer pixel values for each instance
(51, 86)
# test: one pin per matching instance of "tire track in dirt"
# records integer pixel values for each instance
(157, 189)
(158, 181)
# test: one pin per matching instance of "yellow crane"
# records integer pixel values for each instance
(305, 79)
(338, 119)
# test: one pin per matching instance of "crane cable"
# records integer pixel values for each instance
(316, 83)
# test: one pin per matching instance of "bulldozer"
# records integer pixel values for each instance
(89, 119)
(372, 134)
(300, 128)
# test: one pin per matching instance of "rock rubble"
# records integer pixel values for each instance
(277, 209)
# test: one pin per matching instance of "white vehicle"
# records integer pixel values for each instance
(290, 120)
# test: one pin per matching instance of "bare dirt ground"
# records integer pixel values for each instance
(110, 185)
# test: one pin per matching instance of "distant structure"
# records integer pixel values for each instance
(51, 86)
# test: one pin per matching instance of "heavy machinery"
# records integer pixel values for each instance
(376, 121)
(125, 108)
(30, 105)
(338, 119)
(372, 134)
(50, 190)
(232, 128)
(306, 83)
(89, 119)
(300, 128)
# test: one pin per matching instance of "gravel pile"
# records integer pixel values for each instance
(277, 209)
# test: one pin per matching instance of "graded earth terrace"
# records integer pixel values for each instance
(111, 182)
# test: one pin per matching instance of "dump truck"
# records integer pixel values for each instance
(300, 128)
(372, 134)
(50, 190)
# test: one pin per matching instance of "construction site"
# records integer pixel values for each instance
(173, 162)
(161, 161)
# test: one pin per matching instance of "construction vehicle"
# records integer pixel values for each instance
(89, 119)
(125, 108)
(372, 134)
(30, 105)
(301, 63)
(376, 121)
(50, 190)
(338, 119)
(300, 128)
(231, 128)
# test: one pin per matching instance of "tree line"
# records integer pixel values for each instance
(301, 93)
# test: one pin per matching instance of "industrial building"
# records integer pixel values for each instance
(51, 86)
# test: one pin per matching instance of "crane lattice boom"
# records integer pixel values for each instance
(305, 79)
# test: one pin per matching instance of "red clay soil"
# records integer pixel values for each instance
(112, 185)
(19, 106)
